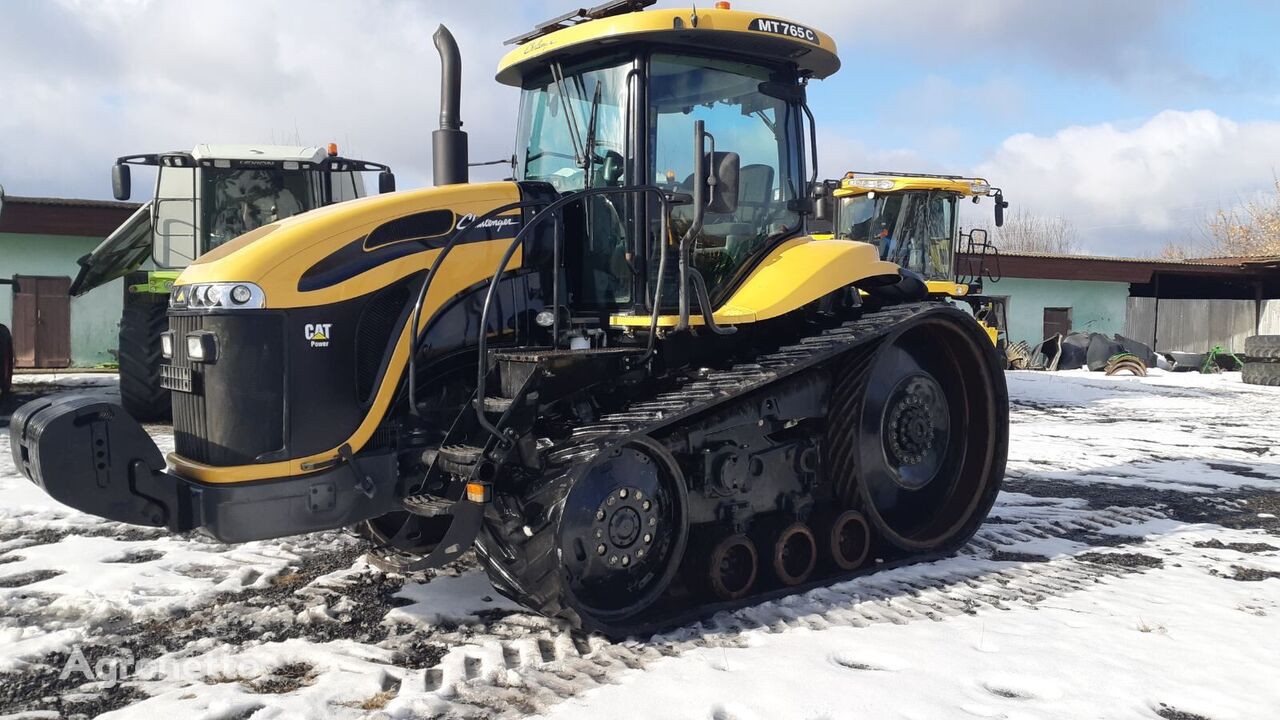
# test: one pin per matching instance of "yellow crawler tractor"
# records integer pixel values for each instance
(630, 378)
(913, 220)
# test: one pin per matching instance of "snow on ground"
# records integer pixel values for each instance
(1130, 569)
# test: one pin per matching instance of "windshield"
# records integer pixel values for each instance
(572, 130)
(761, 129)
(912, 229)
(237, 201)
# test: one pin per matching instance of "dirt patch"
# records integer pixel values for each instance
(1004, 556)
(284, 679)
(1122, 559)
(1243, 547)
(1172, 713)
(1237, 509)
(137, 556)
(27, 578)
(10, 559)
(1247, 574)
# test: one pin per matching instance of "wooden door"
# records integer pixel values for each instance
(1057, 321)
(42, 322)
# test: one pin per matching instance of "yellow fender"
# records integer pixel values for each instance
(793, 275)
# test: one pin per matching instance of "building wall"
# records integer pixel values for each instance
(1095, 306)
(95, 316)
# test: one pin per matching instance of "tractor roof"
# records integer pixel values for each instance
(259, 152)
(861, 183)
(745, 33)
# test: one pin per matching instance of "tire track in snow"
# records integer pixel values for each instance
(505, 672)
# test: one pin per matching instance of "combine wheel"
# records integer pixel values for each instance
(795, 554)
(850, 540)
(922, 457)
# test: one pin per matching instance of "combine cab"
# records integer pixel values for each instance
(202, 200)
(631, 379)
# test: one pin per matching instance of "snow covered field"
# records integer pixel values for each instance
(1131, 569)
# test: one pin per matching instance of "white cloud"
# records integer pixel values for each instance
(86, 82)
(1128, 189)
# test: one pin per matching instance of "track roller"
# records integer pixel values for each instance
(795, 554)
(849, 541)
(732, 567)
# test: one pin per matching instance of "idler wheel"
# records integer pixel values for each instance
(795, 554)
(732, 567)
(850, 540)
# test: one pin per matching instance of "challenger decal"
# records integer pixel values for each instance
(784, 28)
(317, 333)
(403, 236)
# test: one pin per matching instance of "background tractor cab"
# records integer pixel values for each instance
(202, 199)
(913, 220)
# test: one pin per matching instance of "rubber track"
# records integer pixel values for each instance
(534, 578)
(140, 327)
(551, 665)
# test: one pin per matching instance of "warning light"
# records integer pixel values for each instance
(722, 5)
(333, 149)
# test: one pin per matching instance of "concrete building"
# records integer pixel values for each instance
(1187, 305)
(40, 241)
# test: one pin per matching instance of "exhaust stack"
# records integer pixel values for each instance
(449, 143)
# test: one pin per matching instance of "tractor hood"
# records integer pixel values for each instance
(342, 251)
(124, 251)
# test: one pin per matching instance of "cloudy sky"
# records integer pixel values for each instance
(1133, 120)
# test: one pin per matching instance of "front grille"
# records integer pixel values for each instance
(233, 413)
(190, 427)
(374, 333)
(176, 378)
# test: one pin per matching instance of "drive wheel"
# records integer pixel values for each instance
(605, 546)
(926, 456)
(141, 325)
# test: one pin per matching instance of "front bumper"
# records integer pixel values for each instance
(88, 453)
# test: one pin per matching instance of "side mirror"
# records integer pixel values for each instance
(1001, 204)
(823, 202)
(722, 181)
(120, 181)
(386, 182)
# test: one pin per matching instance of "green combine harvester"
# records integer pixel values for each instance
(202, 199)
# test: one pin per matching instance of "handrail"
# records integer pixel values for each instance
(431, 274)
(552, 209)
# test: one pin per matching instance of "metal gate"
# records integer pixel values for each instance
(42, 322)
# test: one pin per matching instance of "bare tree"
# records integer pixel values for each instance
(1025, 232)
(1249, 229)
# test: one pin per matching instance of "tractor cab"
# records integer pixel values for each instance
(214, 193)
(675, 104)
(912, 219)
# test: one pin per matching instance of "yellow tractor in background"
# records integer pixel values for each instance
(631, 378)
(913, 220)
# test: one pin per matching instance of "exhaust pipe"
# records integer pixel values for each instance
(449, 143)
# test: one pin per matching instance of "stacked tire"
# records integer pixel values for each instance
(1262, 360)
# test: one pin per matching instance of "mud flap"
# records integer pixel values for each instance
(88, 453)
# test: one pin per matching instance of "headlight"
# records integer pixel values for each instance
(166, 344)
(218, 296)
(202, 346)
(869, 183)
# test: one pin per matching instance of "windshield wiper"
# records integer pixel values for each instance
(557, 75)
(589, 151)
